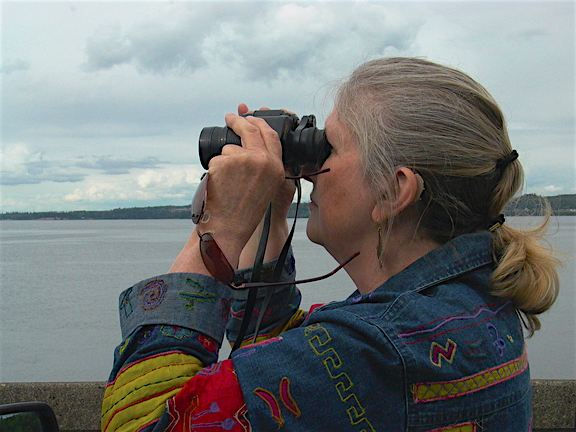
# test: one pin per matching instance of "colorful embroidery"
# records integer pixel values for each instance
(123, 346)
(475, 350)
(244, 353)
(201, 404)
(263, 339)
(125, 304)
(207, 342)
(477, 312)
(241, 417)
(213, 369)
(144, 335)
(226, 424)
(152, 294)
(287, 399)
(437, 352)
(498, 341)
(195, 284)
(319, 338)
(272, 403)
(175, 332)
(143, 387)
(462, 427)
(432, 391)
(193, 297)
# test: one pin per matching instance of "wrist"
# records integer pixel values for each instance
(228, 239)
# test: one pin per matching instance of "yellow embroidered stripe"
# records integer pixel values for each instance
(432, 391)
(278, 330)
(138, 394)
(464, 427)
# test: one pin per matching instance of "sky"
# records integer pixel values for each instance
(102, 103)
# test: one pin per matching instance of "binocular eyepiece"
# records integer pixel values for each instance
(302, 142)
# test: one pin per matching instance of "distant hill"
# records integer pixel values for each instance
(525, 205)
(531, 204)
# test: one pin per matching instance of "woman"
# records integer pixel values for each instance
(420, 169)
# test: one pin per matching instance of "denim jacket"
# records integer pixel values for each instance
(430, 350)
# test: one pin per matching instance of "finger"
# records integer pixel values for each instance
(270, 136)
(243, 109)
(248, 132)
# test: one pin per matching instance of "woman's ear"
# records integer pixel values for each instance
(409, 188)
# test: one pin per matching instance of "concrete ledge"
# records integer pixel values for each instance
(554, 405)
(77, 404)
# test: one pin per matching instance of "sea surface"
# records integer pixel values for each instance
(60, 282)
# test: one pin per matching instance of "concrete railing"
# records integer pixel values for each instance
(77, 404)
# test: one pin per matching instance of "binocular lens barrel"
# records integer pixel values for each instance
(212, 139)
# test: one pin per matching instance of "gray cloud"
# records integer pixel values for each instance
(151, 47)
(266, 40)
(10, 66)
(24, 166)
(115, 166)
(169, 41)
(36, 173)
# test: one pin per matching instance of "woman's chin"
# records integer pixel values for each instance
(312, 229)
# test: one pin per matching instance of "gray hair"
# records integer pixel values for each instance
(445, 126)
(439, 122)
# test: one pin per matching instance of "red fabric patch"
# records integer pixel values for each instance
(315, 306)
(211, 399)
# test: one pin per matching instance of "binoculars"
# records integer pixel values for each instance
(302, 142)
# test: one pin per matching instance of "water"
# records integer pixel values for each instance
(60, 282)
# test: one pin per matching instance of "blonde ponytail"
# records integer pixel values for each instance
(525, 272)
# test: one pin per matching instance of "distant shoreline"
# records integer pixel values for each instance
(160, 212)
(525, 205)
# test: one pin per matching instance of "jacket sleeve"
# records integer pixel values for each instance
(165, 371)
(172, 328)
(281, 311)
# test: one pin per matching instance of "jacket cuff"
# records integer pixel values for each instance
(288, 275)
(189, 300)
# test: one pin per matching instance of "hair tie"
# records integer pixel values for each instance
(497, 223)
(501, 164)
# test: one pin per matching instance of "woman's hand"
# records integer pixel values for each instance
(278, 225)
(243, 181)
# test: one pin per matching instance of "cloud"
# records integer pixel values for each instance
(115, 166)
(172, 185)
(552, 190)
(264, 40)
(169, 40)
(171, 178)
(21, 165)
(14, 65)
(551, 179)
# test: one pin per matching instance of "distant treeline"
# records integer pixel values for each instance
(161, 212)
(526, 205)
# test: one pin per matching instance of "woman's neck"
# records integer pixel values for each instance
(398, 252)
